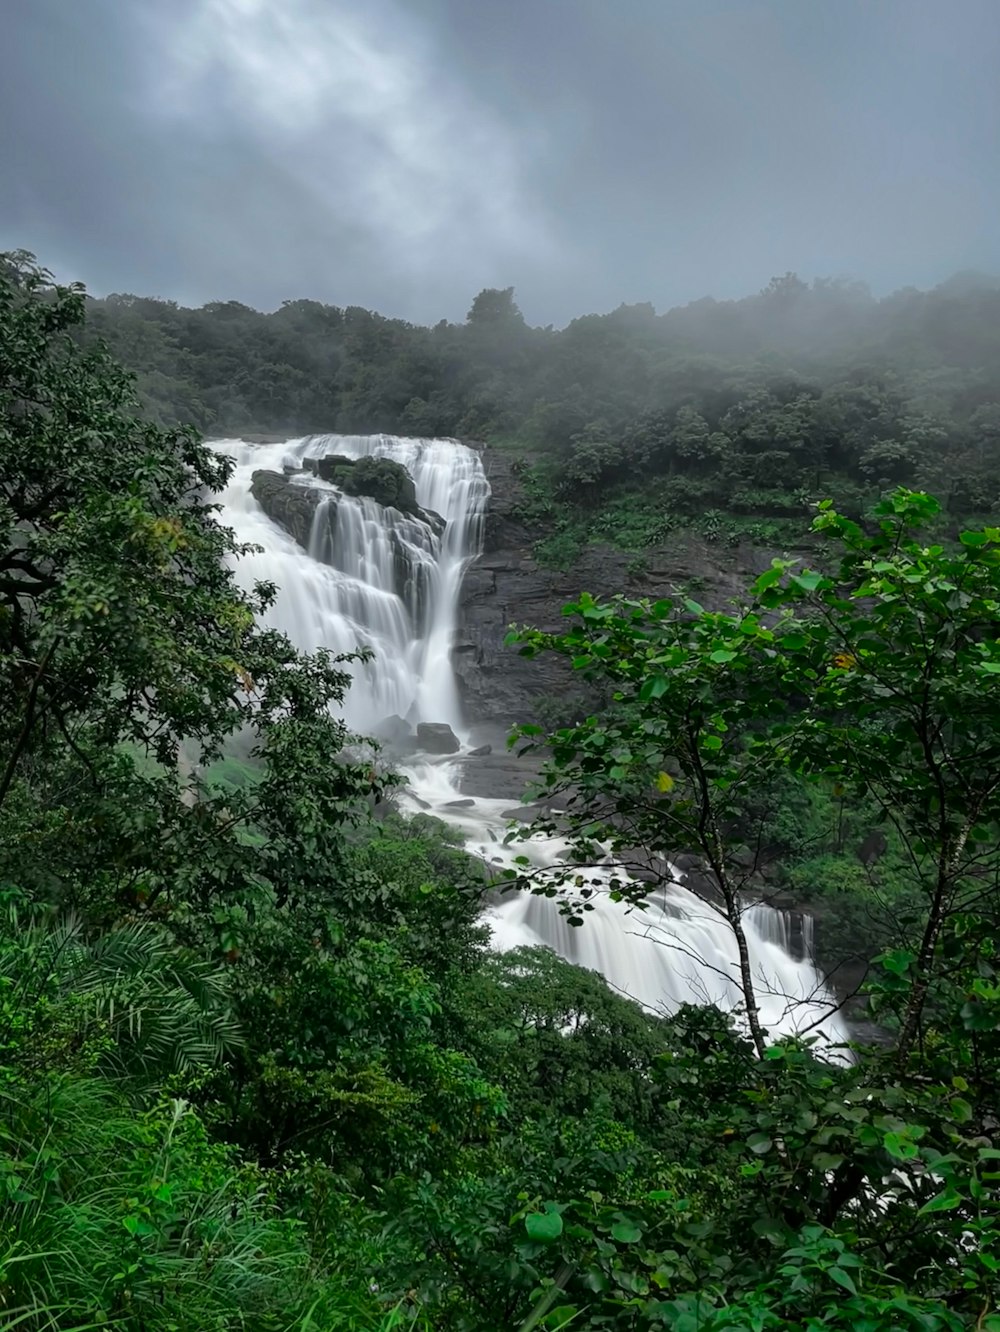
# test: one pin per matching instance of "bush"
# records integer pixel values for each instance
(559, 551)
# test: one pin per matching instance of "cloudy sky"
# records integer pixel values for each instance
(402, 154)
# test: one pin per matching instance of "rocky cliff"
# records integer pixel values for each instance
(506, 585)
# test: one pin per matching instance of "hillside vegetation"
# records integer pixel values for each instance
(731, 415)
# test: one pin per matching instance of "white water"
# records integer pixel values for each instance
(386, 581)
(345, 594)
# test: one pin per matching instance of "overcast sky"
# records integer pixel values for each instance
(403, 154)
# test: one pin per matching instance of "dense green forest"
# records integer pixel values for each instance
(731, 415)
(260, 1069)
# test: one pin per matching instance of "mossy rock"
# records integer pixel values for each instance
(334, 468)
(386, 482)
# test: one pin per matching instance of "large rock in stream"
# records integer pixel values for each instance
(384, 480)
(291, 501)
(292, 507)
(437, 738)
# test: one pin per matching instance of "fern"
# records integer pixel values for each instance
(165, 1009)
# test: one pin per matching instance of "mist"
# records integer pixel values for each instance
(400, 157)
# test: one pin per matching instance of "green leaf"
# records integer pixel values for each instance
(899, 1148)
(827, 1161)
(973, 539)
(767, 580)
(759, 1143)
(899, 961)
(560, 1317)
(977, 1016)
(722, 655)
(843, 1279)
(626, 1232)
(712, 742)
(961, 1110)
(655, 687)
(944, 1202)
(543, 1227)
(808, 582)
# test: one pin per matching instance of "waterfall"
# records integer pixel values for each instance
(391, 582)
(347, 592)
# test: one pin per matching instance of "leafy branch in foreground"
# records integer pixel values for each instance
(877, 676)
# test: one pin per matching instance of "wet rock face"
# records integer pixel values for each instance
(291, 501)
(507, 586)
(393, 729)
(291, 506)
(330, 467)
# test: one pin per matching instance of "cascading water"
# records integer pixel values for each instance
(390, 582)
(347, 591)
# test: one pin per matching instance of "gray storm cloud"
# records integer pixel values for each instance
(403, 155)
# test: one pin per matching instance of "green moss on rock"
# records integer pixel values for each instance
(381, 479)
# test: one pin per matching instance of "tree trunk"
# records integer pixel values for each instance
(928, 946)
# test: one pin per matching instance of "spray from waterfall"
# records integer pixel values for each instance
(390, 581)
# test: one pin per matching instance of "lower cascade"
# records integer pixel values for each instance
(356, 571)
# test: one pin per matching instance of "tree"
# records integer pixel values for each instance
(905, 711)
(665, 766)
(876, 675)
(495, 306)
(124, 637)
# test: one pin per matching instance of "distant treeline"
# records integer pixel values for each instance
(743, 405)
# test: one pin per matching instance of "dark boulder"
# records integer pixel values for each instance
(437, 738)
(526, 813)
(393, 729)
(293, 507)
(310, 515)
(480, 751)
(384, 480)
(333, 468)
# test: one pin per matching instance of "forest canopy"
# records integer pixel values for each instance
(750, 407)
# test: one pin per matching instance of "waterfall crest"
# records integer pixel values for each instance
(391, 581)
